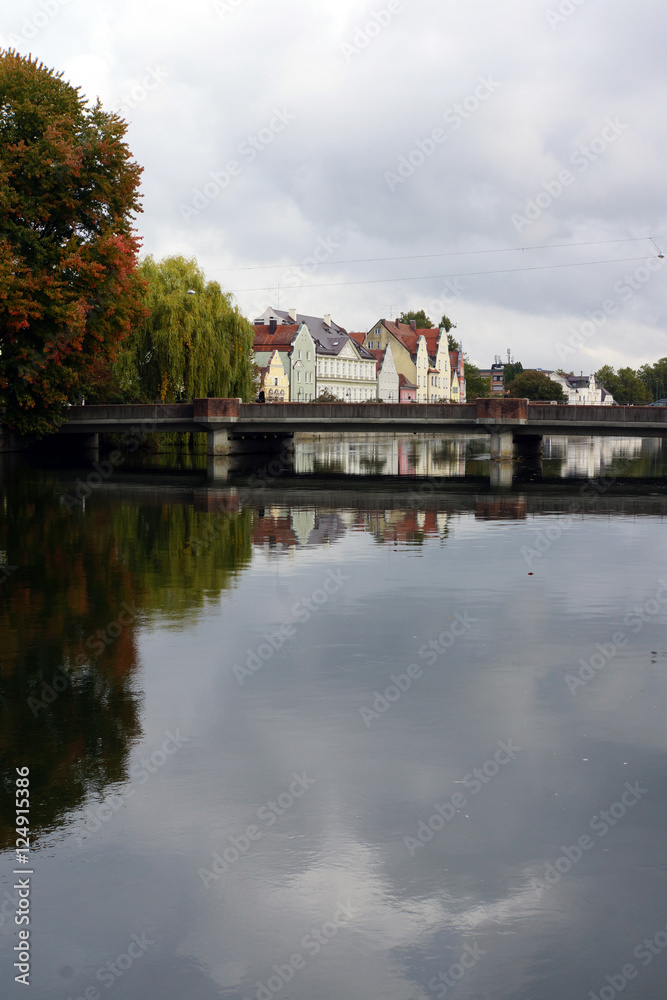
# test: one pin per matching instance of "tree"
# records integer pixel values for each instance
(420, 318)
(476, 385)
(626, 386)
(511, 371)
(69, 288)
(446, 322)
(536, 385)
(452, 343)
(654, 378)
(194, 342)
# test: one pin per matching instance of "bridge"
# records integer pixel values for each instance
(516, 426)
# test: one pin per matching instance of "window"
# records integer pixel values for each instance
(299, 355)
(298, 377)
(275, 381)
(307, 355)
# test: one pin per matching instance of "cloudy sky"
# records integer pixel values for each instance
(364, 158)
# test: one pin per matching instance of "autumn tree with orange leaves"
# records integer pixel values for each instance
(69, 286)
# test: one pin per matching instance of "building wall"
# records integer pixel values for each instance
(303, 367)
(347, 373)
(388, 379)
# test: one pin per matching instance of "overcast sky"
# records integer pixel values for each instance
(323, 134)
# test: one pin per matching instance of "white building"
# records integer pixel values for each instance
(582, 389)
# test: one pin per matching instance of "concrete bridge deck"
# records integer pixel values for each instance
(514, 424)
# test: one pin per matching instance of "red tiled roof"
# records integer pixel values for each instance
(281, 340)
(359, 337)
(404, 384)
(409, 337)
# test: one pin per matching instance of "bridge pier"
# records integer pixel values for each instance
(218, 443)
(502, 445)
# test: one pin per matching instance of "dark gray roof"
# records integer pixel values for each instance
(329, 340)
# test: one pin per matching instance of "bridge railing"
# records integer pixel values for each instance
(336, 411)
(597, 414)
(130, 411)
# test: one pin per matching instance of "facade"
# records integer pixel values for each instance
(582, 389)
(407, 391)
(422, 356)
(496, 377)
(273, 380)
(296, 348)
(387, 376)
(340, 365)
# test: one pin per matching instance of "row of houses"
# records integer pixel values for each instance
(301, 357)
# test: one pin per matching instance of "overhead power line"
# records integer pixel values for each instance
(442, 277)
(447, 253)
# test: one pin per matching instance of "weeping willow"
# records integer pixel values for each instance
(194, 343)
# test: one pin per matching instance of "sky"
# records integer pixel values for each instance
(366, 158)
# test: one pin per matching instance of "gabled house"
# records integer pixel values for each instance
(582, 389)
(387, 376)
(273, 380)
(342, 367)
(296, 347)
(407, 391)
(421, 355)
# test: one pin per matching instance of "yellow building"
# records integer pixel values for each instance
(274, 381)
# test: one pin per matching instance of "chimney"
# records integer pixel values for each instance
(397, 321)
(273, 323)
(327, 319)
(413, 324)
(292, 314)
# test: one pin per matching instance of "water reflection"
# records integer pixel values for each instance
(345, 665)
(81, 584)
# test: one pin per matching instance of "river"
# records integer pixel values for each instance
(364, 729)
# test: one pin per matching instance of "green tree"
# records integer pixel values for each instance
(536, 385)
(654, 378)
(476, 385)
(69, 288)
(511, 371)
(194, 342)
(452, 343)
(446, 322)
(420, 318)
(626, 386)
